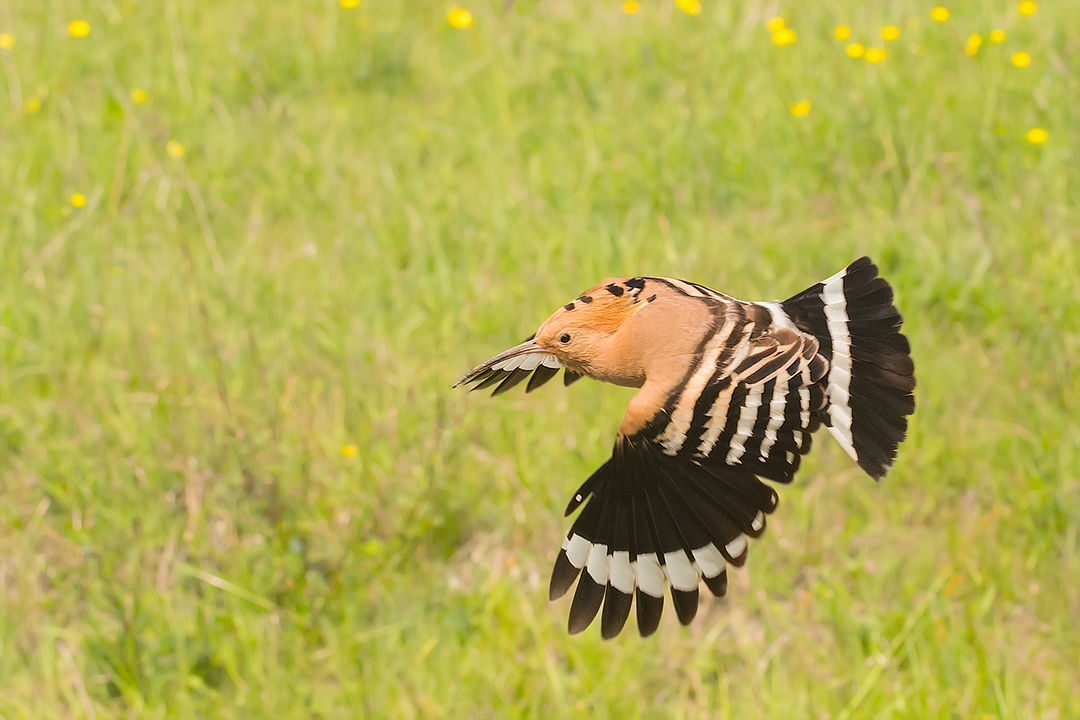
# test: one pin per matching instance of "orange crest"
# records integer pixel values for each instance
(604, 307)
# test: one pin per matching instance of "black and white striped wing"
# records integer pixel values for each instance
(676, 505)
(653, 521)
(758, 411)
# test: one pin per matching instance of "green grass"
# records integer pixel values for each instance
(370, 203)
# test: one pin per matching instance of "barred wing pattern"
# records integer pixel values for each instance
(754, 405)
(651, 519)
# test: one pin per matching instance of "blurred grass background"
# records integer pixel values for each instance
(235, 482)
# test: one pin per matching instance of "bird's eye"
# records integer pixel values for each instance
(565, 338)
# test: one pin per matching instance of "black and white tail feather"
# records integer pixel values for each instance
(871, 376)
(677, 503)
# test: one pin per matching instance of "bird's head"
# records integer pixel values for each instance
(582, 334)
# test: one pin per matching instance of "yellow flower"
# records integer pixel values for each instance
(1037, 136)
(890, 33)
(997, 36)
(1021, 59)
(7, 41)
(138, 95)
(79, 28)
(1028, 8)
(841, 32)
(800, 109)
(855, 50)
(784, 36)
(774, 23)
(350, 450)
(33, 105)
(348, 4)
(973, 42)
(631, 6)
(175, 149)
(78, 200)
(459, 17)
(940, 14)
(916, 49)
(875, 55)
(690, 7)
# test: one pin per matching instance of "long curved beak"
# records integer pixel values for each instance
(513, 366)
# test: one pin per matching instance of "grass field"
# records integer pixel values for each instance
(247, 247)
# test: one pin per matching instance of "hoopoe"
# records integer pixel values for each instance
(730, 393)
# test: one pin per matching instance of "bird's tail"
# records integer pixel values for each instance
(871, 376)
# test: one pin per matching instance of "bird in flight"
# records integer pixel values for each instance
(730, 393)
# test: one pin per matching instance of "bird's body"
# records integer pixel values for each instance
(729, 392)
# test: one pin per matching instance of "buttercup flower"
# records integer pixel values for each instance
(784, 36)
(79, 200)
(875, 55)
(174, 149)
(774, 23)
(841, 32)
(1021, 59)
(690, 7)
(973, 42)
(348, 4)
(631, 6)
(78, 28)
(350, 450)
(1028, 8)
(940, 14)
(459, 17)
(138, 95)
(800, 109)
(890, 33)
(7, 41)
(855, 50)
(1037, 136)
